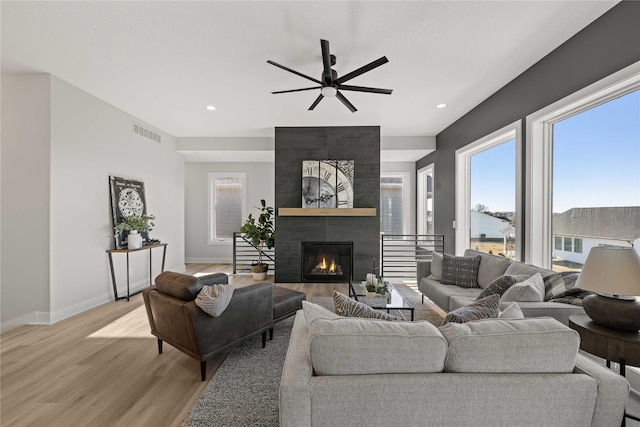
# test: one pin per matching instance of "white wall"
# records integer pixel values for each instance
(89, 140)
(260, 185)
(25, 198)
(409, 167)
(488, 225)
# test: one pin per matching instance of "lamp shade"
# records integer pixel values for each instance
(611, 270)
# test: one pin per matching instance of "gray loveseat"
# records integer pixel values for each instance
(451, 297)
(494, 372)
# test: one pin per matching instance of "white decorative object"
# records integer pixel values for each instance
(134, 240)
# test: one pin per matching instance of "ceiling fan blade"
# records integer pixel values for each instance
(296, 90)
(326, 62)
(370, 66)
(346, 102)
(316, 102)
(294, 72)
(365, 89)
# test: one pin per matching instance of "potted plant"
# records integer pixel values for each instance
(135, 224)
(260, 232)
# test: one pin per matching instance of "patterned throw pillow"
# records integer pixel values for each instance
(498, 286)
(214, 299)
(461, 271)
(348, 307)
(486, 308)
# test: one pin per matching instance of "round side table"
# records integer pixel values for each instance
(612, 345)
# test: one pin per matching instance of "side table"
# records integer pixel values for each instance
(127, 252)
(610, 344)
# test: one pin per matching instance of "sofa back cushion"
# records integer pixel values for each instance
(178, 285)
(353, 346)
(521, 268)
(491, 266)
(531, 345)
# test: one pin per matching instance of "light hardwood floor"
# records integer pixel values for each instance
(73, 373)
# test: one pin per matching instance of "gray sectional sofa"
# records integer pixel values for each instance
(492, 372)
(451, 297)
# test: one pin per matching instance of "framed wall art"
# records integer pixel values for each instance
(127, 198)
(327, 183)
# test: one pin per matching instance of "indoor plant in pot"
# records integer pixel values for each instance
(135, 224)
(260, 232)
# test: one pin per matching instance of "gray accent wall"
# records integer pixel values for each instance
(292, 146)
(609, 44)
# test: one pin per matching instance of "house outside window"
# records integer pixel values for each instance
(394, 207)
(557, 243)
(577, 246)
(568, 244)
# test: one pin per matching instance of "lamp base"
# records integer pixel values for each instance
(613, 313)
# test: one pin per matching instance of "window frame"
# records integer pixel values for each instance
(406, 202)
(422, 200)
(211, 203)
(462, 222)
(539, 153)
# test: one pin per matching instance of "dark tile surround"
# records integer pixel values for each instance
(292, 146)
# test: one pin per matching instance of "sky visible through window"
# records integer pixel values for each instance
(596, 156)
(596, 161)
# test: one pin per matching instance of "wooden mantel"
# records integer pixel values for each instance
(327, 211)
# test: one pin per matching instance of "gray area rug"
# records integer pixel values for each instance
(244, 390)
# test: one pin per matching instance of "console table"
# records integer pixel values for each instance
(127, 252)
(612, 345)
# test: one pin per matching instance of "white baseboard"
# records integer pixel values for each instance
(45, 318)
(208, 260)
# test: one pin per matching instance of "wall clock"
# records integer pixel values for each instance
(327, 183)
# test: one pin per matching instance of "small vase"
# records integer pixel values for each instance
(134, 240)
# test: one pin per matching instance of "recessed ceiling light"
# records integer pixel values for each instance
(210, 107)
(441, 105)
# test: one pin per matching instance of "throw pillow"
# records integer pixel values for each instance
(498, 286)
(560, 284)
(486, 308)
(214, 299)
(460, 271)
(436, 266)
(513, 311)
(348, 307)
(531, 290)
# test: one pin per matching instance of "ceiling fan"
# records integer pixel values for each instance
(330, 83)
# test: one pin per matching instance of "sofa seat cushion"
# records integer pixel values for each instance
(440, 294)
(491, 266)
(537, 345)
(353, 346)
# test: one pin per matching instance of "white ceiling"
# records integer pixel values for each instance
(164, 61)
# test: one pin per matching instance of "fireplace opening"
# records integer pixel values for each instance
(327, 261)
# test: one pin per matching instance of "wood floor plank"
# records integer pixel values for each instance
(99, 369)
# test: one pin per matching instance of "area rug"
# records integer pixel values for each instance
(244, 389)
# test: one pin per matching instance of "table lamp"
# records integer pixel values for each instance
(614, 274)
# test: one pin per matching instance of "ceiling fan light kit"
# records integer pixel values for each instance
(330, 84)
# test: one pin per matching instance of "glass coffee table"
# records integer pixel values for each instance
(393, 300)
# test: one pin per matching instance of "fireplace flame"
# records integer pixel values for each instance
(332, 267)
(323, 264)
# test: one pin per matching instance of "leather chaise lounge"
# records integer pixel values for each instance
(175, 318)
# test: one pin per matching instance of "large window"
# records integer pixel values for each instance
(487, 217)
(226, 205)
(584, 172)
(393, 203)
(425, 200)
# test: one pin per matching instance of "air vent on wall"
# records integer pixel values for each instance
(146, 133)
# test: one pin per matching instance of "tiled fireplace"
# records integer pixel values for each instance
(293, 146)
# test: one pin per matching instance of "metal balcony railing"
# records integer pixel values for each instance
(399, 253)
(245, 254)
